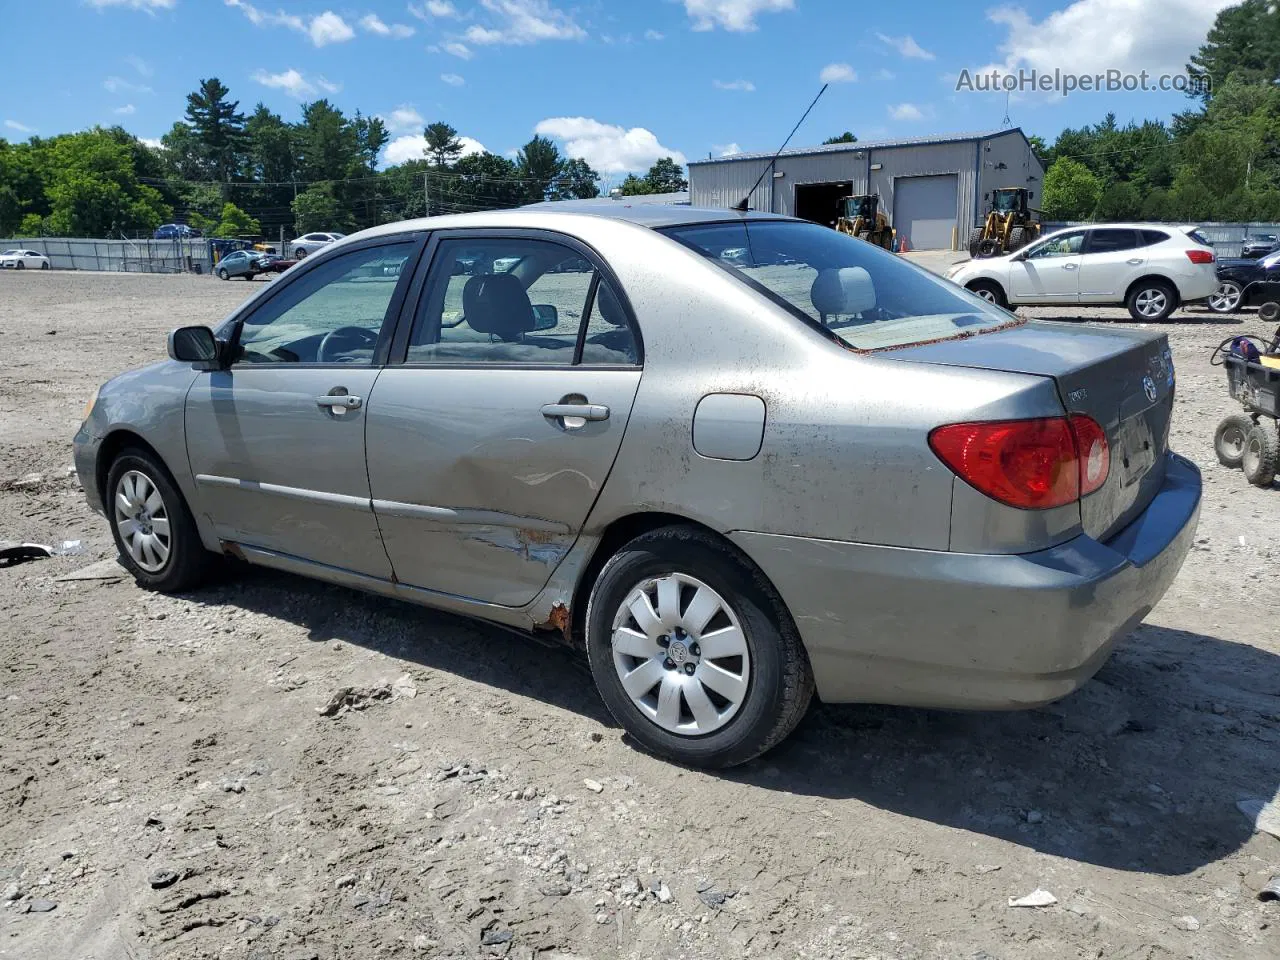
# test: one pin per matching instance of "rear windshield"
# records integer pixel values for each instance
(866, 297)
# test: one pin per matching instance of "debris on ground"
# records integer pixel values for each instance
(404, 688)
(353, 698)
(1272, 890)
(1265, 814)
(1187, 923)
(102, 570)
(163, 878)
(1036, 898)
(13, 553)
(41, 906)
(595, 786)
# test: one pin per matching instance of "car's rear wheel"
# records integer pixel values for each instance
(1261, 454)
(44, 265)
(989, 292)
(1226, 299)
(1229, 440)
(693, 652)
(152, 525)
(1152, 301)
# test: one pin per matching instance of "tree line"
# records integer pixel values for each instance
(1217, 161)
(233, 174)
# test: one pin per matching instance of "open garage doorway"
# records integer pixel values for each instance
(820, 202)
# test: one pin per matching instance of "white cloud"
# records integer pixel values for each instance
(20, 127)
(737, 15)
(746, 86)
(1092, 36)
(608, 148)
(290, 81)
(433, 8)
(120, 85)
(404, 118)
(886, 74)
(126, 110)
(143, 68)
(837, 73)
(328, 86)
(371, 23)
(522, 22)
(905, 111)
(151, 6)
(452, 79)
(413, 147)
(726, 149)
(460, 50)
(906, 46)
(153, 142)
(328, 28)
(654, 35)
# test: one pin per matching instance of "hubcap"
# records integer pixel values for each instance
(1233, 439)
(1151, 303)
(681, 655)
(142, 521)
(986, 294)
(1226, 298)
(1252, 456)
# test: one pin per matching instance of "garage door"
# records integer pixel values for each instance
(924, 210)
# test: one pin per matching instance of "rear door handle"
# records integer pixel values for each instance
(1135, 261)
(339, 402)
(1070, 266)
(583, 411)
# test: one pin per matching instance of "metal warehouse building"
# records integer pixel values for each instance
(932, 188)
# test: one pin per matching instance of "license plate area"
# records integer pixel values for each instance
(1136, 450)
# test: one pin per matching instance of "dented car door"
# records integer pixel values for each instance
(490, 437)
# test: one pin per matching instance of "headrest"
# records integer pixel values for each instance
(843, 291)
(497, 303)
(608, 306)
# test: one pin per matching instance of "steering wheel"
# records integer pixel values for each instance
(344, 339)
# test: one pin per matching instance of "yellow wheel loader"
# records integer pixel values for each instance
(1010, 224)
(862, 217)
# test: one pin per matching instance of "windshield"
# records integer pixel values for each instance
(864, 296)
(1006, 201)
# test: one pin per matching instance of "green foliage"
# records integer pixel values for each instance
(217, 128)
(576, 181)
(443, 145)
(32, 226)
(540, 164)
(846, 137)
(318, 209)
(665, 176)
(635, 186)
(1244, 42)
(1071, 191)
(236, 223)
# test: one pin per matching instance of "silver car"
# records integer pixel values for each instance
(735, 481)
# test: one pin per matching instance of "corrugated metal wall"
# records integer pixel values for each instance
(725, 184)
(923, 161)
(1021, 169)
(817, 168)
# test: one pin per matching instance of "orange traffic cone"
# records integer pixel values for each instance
(903, 245)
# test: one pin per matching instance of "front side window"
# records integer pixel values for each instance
(517, 300)
(868, 298)
(331, 314)
(1065, 245)
(1111, 239)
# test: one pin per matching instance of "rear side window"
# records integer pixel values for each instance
(1199, 238)
(1150, 237)
(1110, 239)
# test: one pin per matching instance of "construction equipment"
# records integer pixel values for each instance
(862, 217)
(1010, 224)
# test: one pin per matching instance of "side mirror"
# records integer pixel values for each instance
(545, 316)
(193, 345)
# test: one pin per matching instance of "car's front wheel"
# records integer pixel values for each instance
(152, 526)
(223, 275)
(990, 292)
(1152, 301)
(692, 651)
(20, 265)
(1226, 299)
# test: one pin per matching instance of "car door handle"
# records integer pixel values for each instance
(583, 411)
(339, 401)
(1135, 261)
(1070, 266)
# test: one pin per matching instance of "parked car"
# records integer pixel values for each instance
(23, 260)
(311, 242)
(1148, 268)
(242, 263)
(1259, 246)
(732, 484)
(270, 263)
(1245, 283)
(176, 231)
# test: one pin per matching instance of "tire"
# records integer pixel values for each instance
(300, 253)
(223, 275)
(1017, 239)
(45, 265)
(1229, 440)
(1152, 301)
(989, 291)
(975, 240)
(775, 680)
(20, 266)
(1269, 312)
(1227, 298)
(1262, 454)
(178, 564)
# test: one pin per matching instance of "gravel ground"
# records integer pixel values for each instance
(171, 790)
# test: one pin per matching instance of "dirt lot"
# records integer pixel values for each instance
(484, 803)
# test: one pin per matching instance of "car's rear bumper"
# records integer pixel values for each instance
(949, 630)
(1198, 286)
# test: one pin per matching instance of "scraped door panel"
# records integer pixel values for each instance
(478, 492)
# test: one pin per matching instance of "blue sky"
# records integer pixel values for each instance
(619, 83)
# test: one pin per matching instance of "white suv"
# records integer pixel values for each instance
(1150, 268)
(311, 242)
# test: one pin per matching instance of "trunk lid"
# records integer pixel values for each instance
(1123, 379)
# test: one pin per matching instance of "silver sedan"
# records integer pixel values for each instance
(737, 458)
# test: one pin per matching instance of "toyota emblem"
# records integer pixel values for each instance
(1149, 386)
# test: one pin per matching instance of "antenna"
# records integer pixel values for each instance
(743, 204)
(1006, 122)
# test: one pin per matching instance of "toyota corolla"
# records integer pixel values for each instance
(739, 459)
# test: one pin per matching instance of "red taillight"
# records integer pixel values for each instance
(1030, 464)
(1200, 256)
